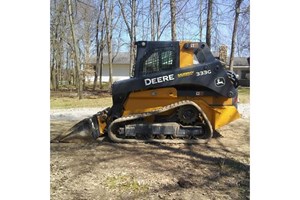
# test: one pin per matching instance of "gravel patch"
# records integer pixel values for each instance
(73, 113)
(81, 113)
(244, 110)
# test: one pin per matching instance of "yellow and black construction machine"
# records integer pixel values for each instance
(178, 93)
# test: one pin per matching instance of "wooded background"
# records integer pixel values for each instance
(84, 29)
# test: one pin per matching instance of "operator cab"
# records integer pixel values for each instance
(154, 57)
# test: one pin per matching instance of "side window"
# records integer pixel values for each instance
(167, 60)
(151, 65)
(159, 61)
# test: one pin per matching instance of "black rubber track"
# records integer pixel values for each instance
(114, 126)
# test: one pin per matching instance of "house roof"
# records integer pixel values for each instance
(239, 61)
(119, 58)
(123, 58)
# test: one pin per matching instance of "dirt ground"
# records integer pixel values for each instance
(104, 170)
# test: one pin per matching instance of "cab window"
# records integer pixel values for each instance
(159, 60)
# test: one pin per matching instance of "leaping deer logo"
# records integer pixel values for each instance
(220, 81)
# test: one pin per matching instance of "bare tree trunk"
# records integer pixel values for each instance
(108, 22)
(77, 62)
(56, 66)
(158, 17)
(55, 43)
(87, 45)
(58, 63)
(99, 45)
(101, 68)
(131, 30)
(173, 19)
(96, 67)
(52, 72)
(73, 70)
(152, 14)
(209, 22)
(53, 79)
(97, 63)
(235, 25)
(144, 35)
(200, 20)
(69, 74)
(102, 46)
(97, 52)
(132, 34)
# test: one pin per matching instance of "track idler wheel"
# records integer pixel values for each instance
(187, 115)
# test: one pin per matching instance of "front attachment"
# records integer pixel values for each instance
(83, 130)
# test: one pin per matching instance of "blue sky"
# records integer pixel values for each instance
(188, 23)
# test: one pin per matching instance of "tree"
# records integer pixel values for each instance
(157, 28)
(87, 31)
(77, 61)
(57, 36)
(236, 19)
(200, 19)
(209, 22)
(243, 31)
(173, 19)
(152, 17)
(158, 18)
(131, 27)
(108, 13)
(81, 30)
(99, 45)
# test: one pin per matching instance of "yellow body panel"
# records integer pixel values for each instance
(224, 115)
(102, 125)
(219, 110)
(186, 55)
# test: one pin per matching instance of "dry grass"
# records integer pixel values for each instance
(125, 183)
(244, 94)
(67, 98)
(68, 102)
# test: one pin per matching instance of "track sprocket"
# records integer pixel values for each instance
(187, 114)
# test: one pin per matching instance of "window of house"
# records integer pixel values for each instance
(244, 73)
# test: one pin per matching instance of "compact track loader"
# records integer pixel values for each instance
(178, 93)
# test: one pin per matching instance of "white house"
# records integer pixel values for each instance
(121, 68)
(241, 66)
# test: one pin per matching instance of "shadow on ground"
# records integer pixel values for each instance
(104, 170)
